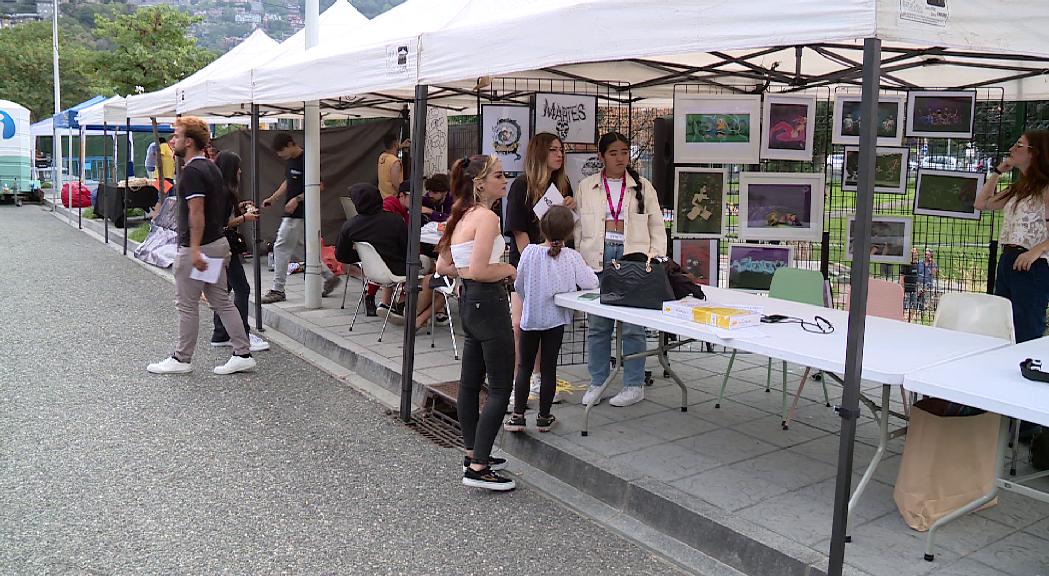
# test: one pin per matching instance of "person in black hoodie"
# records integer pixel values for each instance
(386, 232)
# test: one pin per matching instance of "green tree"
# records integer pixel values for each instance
(150, 48)
(27, 78)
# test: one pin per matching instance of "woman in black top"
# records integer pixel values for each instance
(239, 213)
(544, 165)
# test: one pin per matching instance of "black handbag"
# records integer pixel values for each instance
(636, 281)
(237, 245)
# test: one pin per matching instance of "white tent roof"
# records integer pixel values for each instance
(164, 102)
(651, 44)
(230, 92)
(113, 111)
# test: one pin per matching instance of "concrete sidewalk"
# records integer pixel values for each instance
(727, 481)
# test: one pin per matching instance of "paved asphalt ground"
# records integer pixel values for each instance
(106, 469)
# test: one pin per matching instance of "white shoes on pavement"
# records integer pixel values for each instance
(593, 394)
(628, 396)
(257, 344)
(236, 364)
(534, 388)
(170, 365)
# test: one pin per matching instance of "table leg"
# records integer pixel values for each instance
(665, 362)
(1003, 441)
(883, 439)
(612, 374)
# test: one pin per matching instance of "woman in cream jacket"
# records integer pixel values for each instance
(619, 214)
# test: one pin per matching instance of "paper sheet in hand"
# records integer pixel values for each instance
(552, 197)
(211, 275)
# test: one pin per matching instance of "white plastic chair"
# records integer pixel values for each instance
(376, 272)
(349, 209)
(977, 314)
(448, 292)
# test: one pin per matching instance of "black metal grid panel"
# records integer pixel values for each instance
(961, 249)
(806, 254)
(613, 113)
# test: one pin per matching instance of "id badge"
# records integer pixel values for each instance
(615, 237)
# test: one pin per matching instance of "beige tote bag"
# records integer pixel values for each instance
(947, 463)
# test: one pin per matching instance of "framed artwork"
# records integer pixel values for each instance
(949, 194)
(505, 132)
(699, 202)
(788, 125)
(572, 117)
(890, 170)
(751, 266)
(890, 239)
(698, 257)
(781, 206)
(848, 116)
(716, 129)
(941, 114)
(579, 165)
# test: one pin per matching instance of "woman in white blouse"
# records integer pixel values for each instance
(1023, 269)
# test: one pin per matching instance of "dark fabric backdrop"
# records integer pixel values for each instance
(348, 156)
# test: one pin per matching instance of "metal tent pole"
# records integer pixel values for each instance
(80, 180)
(312, 136)
(123, 193)
(849, 409)
(413, 264)
(256, 228)
(105, 179)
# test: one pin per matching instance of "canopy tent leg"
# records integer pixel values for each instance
(256, 228)
(105, 179)
(80, 181)
(413, 264)
(857, 311)
(312, 137)
(123, 191)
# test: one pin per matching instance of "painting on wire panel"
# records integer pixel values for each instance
(699, 202)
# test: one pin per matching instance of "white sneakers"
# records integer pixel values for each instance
(534, 387)
(628, 396)
(257, 344)
(170, 366)
(235, 364)
(593, 394)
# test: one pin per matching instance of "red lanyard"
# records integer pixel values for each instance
(608, 195)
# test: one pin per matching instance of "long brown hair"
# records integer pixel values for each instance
(466, 173)
(1035, 180)
(557, 225)
(537, 173)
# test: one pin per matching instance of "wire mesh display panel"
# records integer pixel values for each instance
(613, 114)
(948, 254)
(957, 253)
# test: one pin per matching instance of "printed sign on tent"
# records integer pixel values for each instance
(571, 118)
(504, 132)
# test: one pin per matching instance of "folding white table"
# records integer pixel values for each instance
(990, 381)
(891, 348)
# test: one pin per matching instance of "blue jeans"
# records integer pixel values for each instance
(1028, 291)
(599, 340)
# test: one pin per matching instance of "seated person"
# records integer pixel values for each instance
(401, 202)
(438, 200)
(387, 233)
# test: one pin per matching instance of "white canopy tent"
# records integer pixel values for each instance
(448, 47)
(255, 48)
(231, 92)
(451, 43)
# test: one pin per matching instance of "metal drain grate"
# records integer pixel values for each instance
(436, 427)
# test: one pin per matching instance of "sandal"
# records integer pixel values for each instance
(544, 423)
